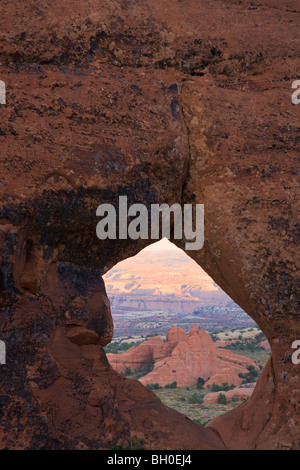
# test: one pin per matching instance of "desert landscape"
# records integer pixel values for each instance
(192, 373)
(160, 102)
(163, 286)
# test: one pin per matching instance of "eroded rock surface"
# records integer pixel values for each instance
(162, 102)
(183, 359)
(236, 394)
(136, 357)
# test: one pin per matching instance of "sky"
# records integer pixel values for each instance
(162, 245)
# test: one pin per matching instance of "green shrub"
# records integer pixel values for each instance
(119, 347)
(195, 398)
(204, 423)
(224, 387)
(172, 385)
(148, 367)
(246, 344)
(251, 376)
(222, 399)
(155, 386)
(200, 383)
(201, 423)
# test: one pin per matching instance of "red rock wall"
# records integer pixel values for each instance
(163, 102)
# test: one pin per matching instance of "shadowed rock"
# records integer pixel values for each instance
(162, 102)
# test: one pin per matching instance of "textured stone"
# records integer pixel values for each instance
(227, 375)
(236, 394)
(192, 357)
(162, 103)
(136, 356)
(236, 361)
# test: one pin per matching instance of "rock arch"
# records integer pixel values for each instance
(193, 118)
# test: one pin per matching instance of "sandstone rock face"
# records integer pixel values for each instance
(229, 366)
(236, 394)
(136, 356)
(226, 375)
(189, 359)
(174, 336)
(178, 335)
(164, 102)
(116, 404)
(235, 361)
(183, 358)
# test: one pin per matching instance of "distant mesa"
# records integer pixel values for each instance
(183, 358)
(176, 279)
(165, 285)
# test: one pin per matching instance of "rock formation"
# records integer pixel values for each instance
(165, 102)
(226, 375)
(236, 394)
(183, 359)
(136, 356)
(235, 361)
